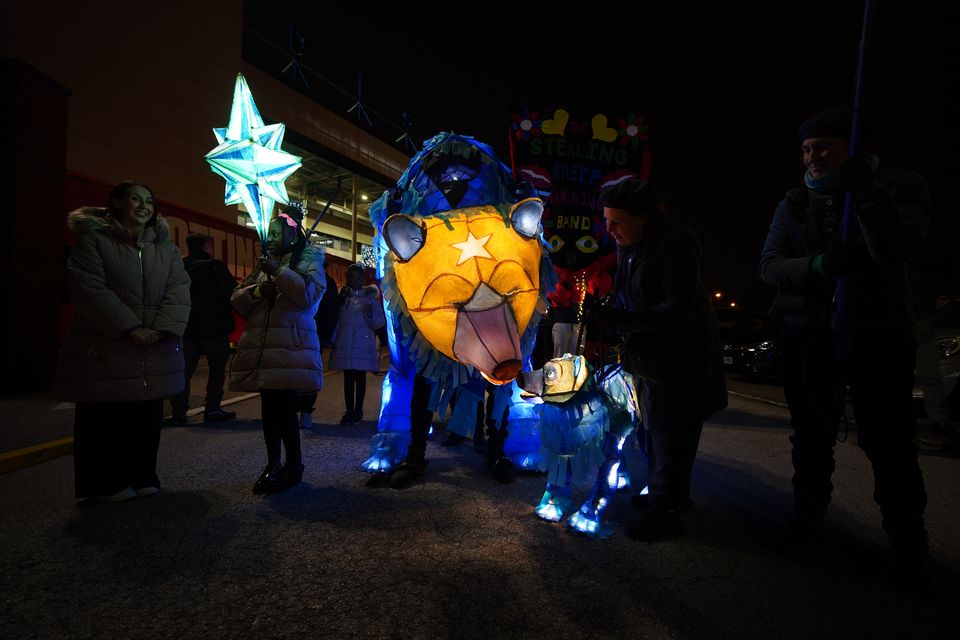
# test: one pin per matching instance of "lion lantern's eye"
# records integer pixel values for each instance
(556, 243)
(404, 236)
(526, 217)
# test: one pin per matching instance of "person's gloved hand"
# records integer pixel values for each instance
(268, 290)
(854, 174)
(840, 259)
(268, 265)
(605, 316)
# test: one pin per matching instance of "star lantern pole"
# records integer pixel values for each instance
(248, 156)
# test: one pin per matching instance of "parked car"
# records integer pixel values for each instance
(946, 340)
(751, 347)
(727, 316)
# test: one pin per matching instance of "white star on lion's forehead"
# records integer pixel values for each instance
(472, 247)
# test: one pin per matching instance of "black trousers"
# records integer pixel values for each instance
(278, 414)
(354, 389)
(217, 351)
(420, 418)
(307, 401)
(879, 371)
(115, 446)
(673, 437)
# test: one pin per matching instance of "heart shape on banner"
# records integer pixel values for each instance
(557, 124)
(600, 129)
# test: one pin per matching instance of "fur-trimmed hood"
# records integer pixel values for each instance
(369, 290)
(98, 220)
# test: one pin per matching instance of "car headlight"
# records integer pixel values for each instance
(948, 347)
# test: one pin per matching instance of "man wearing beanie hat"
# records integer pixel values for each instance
(804, 256)
(835, 122)
(672, 345)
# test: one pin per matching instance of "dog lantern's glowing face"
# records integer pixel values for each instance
(470, 281)
(558, 381)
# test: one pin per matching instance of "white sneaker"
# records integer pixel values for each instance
(119, 496)
(306, 420)
(148, 491)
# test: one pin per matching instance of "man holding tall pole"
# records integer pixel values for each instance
(866, 343)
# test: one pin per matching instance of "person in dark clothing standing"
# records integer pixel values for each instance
(804, 256)
(327, 315)
(209, 329)
(672, 346)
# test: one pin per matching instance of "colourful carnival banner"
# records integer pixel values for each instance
(570, 158)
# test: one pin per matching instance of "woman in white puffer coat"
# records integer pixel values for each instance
(355, 350)
(279, 352)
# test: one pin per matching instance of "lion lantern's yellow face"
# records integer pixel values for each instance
(470, 281)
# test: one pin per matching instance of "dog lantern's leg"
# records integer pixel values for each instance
(589, 519)
(556, 500)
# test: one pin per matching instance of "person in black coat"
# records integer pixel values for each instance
(327, 315)
(209, 329)
(805, 256)
(672, 344)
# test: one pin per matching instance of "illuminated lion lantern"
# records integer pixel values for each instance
(464, 275)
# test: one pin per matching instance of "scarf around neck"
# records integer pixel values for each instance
(830, 182)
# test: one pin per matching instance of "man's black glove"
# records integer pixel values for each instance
(842, 258)
(854, 174)
(603, 316)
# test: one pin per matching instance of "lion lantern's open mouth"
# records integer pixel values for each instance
(487, 336)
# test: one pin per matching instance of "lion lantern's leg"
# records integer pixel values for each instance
(389, 445)
(623, 476)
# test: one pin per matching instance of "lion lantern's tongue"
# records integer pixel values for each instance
(487, 336)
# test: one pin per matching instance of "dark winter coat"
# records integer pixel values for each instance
(328, 313)
(117, 285)
(211, 285)
(673, 338)
(892, 216)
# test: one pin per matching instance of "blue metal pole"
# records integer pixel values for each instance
(844, 284)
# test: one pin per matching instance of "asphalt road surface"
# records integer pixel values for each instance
(457, 555)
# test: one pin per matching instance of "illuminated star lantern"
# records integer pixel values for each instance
(250, 159)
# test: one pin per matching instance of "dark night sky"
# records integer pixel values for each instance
(722, 94)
